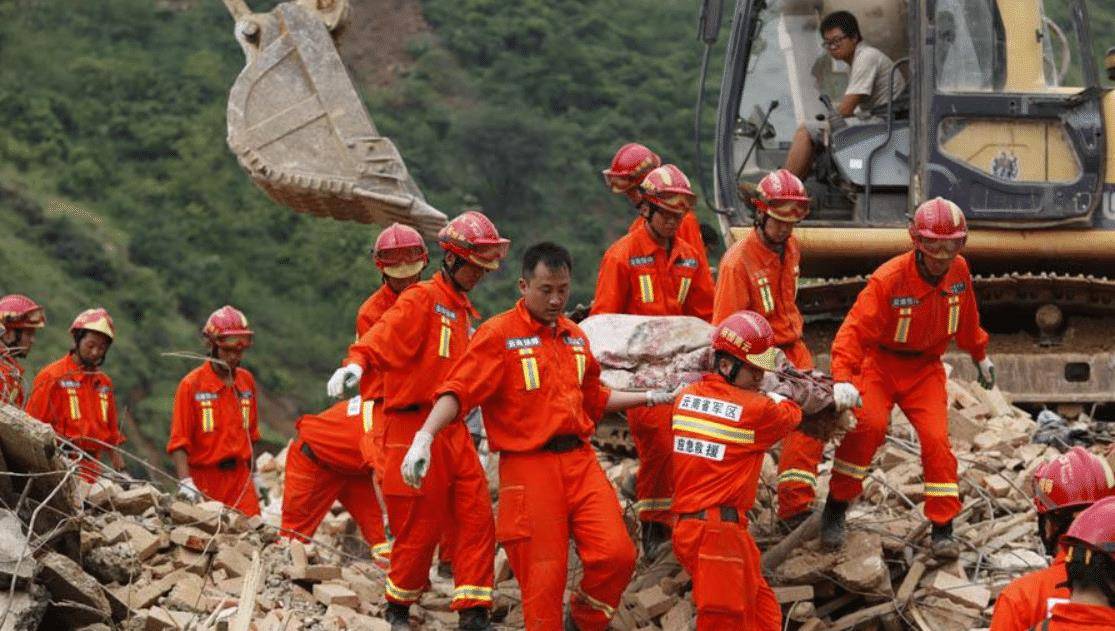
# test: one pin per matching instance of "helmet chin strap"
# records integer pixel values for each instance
(450, 271)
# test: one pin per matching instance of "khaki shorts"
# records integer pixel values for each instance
(819, 130)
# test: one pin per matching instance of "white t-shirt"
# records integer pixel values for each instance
(870, 76)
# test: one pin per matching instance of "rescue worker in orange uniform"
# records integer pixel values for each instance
(216, 419)
(324, 464)
(75, 397)
(21, 317)
(400, 254)
(721, 427)
(531, 370)
(1090, 564)
(889, 349)
(652, 272)
(760, 273)
(414, 344)
(1063, 488)
(631, 163)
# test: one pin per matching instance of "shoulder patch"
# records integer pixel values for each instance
(690, 263)
(958, 288)
(641, 261)
(713, 407)
(445, 311)
(69, 383)
(574, 341)
(205, 396)
(353, 406)
(903, 301)
(513, 343)
(244, 394)
(104, 389)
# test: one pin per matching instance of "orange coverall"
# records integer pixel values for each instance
(371, 383)
(324, 464)
(890, 347)
(639, 277)
(689, 231)
(538, 385)
(414, 345)
(753, 276)
(216, 424)
(720, 433)
(80, 406)
(1079, 617)
(1029, 599)
(11, 382)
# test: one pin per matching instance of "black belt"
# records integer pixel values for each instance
(414, 407)
(562, 443)
(727, 513)
(901, 352)
(228, 464)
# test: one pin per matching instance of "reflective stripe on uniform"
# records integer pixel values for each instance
(246, 412)
(75, 407)
(104, 407)
(942, 489)
(849, 469)
(683, 290)
(713, 429)
(646, 288)
(382, 549)
(443, 339)
(766, 295)
(579, 356)
(368, 419)
(472, 592)
(800, 476)
(398, 593)
(531, 380)
(207, 416)
(653, 504)
(603, 608)
(902, 330)
(954, 314)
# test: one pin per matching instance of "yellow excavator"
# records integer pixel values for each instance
(1003, 113)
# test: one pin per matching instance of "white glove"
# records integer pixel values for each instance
(986, 373)
(658, 397)
(417, 460)
(187, 490)
(257, 480)
(845, 396)
(345, 377)
(774, 396)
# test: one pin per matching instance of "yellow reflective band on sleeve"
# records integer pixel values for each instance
(954, 314)
(851, 470)
(443, 339)
(902, 331)
(104, 407)
(400, 594)
(579, 355)
(472, 592)
(713, 429)
(382, 549)
(646, 288)
(683, 291)
(530, 372)
(653, 504)
(766, 295)
(75, 407)
(206, 416)
(797, 476)
(602, 607)
(366, 411)
(941, 489)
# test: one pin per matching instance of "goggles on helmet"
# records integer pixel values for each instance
(619, 183)
(941, 248)
(234, 342)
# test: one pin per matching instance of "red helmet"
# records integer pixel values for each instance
(939, 229)
(20, 312)
(1077, 478)
(667, 188)
(474, 237)
(782, 195)
(1095, 527)
(94, 320)
(400, 252)
(629, 166)
(747, 336)
(227, 326)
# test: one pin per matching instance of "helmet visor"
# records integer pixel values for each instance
(788, 211)
(618, 183)
(400, 256)
(941, 248)
(234, 342)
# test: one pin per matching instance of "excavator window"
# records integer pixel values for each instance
(971, 46)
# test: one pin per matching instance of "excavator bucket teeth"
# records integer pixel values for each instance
(299, 128)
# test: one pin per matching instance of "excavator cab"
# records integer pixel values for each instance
(1002, 112)
(298, 127)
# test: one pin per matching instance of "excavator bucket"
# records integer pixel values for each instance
(300, 130)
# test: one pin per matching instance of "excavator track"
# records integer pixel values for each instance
(1034, 368)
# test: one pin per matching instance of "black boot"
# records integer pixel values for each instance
(943, 544)
(398, 616)
(654, 535)
(832, 524)
(473, 619)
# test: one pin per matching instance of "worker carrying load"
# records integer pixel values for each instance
(531, 370)
(75, 397)
(21, 317)
(630, 165)
(888, 351)
(414, 344)
(760, 273)
(1090, 565)
(649, 271)
(216, 418)
(721, 427)
(1063, 488)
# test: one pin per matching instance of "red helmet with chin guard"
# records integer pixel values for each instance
(400, 252)
(939, 229)
(747, 336)
(474, 238)
(782, 195)
(94, 320)
(20, 312)
(667, 188)
(227, 326)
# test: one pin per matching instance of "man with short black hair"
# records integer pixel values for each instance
(868, 87)
(531, 370)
